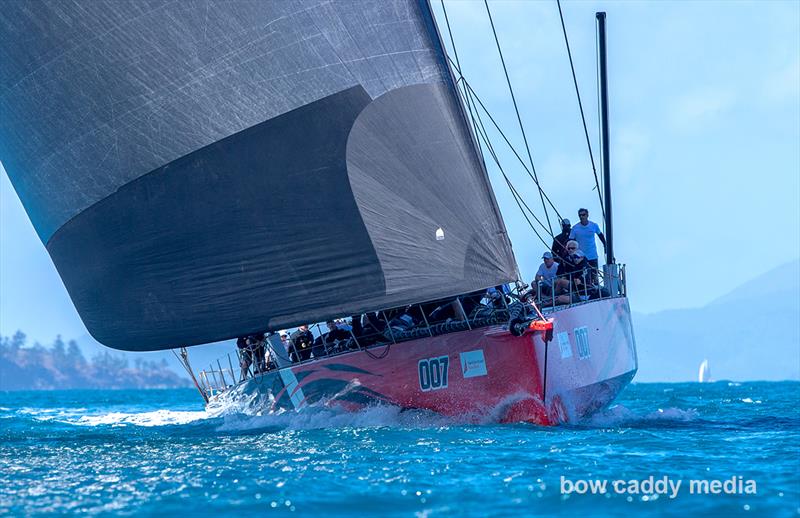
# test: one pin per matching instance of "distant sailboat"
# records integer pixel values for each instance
(704, 376)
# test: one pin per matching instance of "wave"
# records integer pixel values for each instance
(89, 418)
(235, 418)
(318, 417)
(238, 417)
(241, 413)
(154, 418)
(242, 416)
(620, 416)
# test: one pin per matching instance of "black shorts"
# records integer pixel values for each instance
(246, 356)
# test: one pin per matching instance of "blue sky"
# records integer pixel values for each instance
(705, 124)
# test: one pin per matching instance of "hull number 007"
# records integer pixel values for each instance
(433, 373)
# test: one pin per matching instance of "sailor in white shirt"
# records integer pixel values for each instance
(583, 232)
(546, 273)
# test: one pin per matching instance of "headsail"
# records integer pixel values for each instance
(202, 171)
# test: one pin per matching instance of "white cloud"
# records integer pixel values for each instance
(701, 107)
(630, 145)
(783, 84)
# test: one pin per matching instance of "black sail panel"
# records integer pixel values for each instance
(200, 174)
(406, 157)
(259, 224)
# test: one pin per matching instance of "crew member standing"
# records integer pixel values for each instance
(559, 247)
(583, 232)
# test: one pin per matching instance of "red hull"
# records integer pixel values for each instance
(485, 374)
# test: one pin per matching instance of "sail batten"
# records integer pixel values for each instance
(256, 166)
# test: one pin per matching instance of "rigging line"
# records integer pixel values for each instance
(580, 106)
(470, 102)
(458, 67)
(516, 109)
(378, 356)
(520, 203)
(517, 197)
(184, 361)
(470, 99)
(180, 361)
(450, 32)
(463, 93)
(481, 132)
(497, 127)
(455, 54)
(511, 146)
(545, 227)
(484, 135)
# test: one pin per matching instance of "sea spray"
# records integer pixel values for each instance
(159, 452)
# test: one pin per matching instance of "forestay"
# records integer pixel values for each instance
(199, 171)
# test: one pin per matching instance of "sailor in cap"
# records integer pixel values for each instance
(559, 247)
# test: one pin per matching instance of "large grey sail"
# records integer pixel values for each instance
(202, 170)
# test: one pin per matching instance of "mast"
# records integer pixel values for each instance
(601, 36)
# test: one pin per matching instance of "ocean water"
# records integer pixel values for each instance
(158, 452)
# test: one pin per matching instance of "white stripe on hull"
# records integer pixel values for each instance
(292, 388)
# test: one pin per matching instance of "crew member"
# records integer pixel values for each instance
(559, 248)
(584, 233)
(301, 343)
(546, 274)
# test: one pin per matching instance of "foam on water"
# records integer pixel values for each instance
(155, 418)
(242, 415)
(621, 416)
(320, 416)
(159, 453)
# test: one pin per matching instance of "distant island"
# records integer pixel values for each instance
(751, 333)
(63, 366)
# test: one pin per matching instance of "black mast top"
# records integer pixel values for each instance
(601, 36)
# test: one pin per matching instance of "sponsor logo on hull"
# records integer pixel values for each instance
(582, 340)
(564, 346)
(473, 363)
